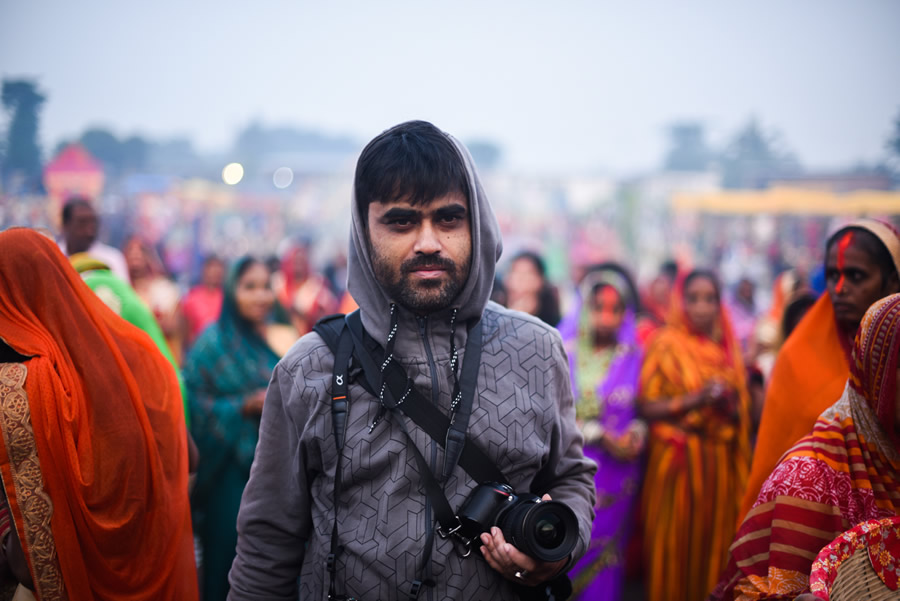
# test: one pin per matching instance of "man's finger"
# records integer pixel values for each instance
(491, 561)
(487, 541)
(519, 559)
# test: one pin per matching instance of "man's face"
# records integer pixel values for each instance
(81, 231)
(421, 254)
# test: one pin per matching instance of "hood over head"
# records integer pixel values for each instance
(487, 246)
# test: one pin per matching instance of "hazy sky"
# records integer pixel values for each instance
(561, 86)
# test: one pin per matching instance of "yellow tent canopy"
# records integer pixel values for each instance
(787, 200)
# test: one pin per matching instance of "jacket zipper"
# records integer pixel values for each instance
(435, 397)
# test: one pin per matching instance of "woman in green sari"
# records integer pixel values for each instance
(226, 373)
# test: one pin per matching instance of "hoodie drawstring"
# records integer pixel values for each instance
(454, 367)
(389, 356)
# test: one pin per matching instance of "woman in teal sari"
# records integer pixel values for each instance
(226, 373)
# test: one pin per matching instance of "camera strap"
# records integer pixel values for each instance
(340, 382)
(450, 434)
(423, 412)
(442, 510)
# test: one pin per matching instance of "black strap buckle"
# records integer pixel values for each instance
(414, 589)
(330, 562)
(447, 533)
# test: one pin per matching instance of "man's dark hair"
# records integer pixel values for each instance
(70, 205)
(871, 245)
(413, 160)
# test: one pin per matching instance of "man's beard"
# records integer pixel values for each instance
(417, 295)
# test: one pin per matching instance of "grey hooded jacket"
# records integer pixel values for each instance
(523, 417)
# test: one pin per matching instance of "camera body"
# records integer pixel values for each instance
(544, 530)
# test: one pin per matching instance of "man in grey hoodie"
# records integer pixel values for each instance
(424, 247)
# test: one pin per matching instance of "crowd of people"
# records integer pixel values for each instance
(213, 443)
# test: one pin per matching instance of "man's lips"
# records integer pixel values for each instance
(428, 272)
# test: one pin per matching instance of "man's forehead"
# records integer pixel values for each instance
(83, 211)
(435, 204)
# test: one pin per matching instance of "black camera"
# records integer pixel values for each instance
(544, 530)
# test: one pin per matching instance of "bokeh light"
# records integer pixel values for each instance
(232, 173)
(282, 177)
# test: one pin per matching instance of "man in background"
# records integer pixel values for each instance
(80, 225)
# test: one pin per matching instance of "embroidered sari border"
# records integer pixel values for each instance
(21, 472)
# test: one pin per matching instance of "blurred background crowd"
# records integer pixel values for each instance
(224, 235)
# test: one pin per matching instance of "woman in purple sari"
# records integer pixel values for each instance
(605, 364)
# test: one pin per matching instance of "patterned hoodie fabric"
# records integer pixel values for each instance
(523, 417)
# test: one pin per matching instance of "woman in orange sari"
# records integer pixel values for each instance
(861, 266)
(694, 396)
(845, 472)
(93, 455)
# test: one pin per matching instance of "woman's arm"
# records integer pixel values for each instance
(673, 406)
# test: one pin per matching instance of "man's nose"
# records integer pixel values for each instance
(427, 242)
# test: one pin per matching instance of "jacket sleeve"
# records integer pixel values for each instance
(274, 520)
(568, 476)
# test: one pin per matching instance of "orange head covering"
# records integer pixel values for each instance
(686, 360)
(723, 332)
(96, 416)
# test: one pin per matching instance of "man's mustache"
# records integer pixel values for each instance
(426, 262)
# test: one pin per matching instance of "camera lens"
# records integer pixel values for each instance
(549, 532)
(545, 530)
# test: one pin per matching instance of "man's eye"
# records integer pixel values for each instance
(832, 275)
(400, 222)
(854, 275)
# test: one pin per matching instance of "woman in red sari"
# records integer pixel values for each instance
(862, 263)
(845, 472)
(93, 445)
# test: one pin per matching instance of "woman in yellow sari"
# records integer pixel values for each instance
(694, 395)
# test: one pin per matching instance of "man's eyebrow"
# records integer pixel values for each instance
(454, 210)
(400, 213)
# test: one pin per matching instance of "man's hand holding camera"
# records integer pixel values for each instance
(515, 565)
